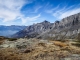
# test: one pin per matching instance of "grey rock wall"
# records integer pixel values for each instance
(68, 27)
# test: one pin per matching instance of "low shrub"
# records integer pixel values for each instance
(78, 38)
(12, 39)
(76, 44)
(42, 44)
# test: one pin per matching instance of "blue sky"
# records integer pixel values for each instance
(27, 12)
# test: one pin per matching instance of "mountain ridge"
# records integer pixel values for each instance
(66, 28)
(34, 30)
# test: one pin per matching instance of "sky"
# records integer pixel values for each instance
(28, 12)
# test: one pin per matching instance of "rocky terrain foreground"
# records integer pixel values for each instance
(36, 49)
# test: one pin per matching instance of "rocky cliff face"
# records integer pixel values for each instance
(34, 30)
(68, 27)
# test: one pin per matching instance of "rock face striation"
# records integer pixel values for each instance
(68, 27)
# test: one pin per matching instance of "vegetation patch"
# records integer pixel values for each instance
(76, 44)
(12, 39)
(58, 43)
(77, 41)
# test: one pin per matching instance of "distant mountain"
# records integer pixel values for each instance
(34, 30)
(10, 30)
(68, 27)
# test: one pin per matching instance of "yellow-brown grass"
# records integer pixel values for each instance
(9, 54)
(1, 41)
(61, 44)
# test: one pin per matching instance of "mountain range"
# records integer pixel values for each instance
(10, 30)
(68, 27)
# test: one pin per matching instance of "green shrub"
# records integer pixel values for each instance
(12, 39)
(76, 44)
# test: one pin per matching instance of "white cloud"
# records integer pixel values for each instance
(61, 13)
(10, 10)
(28, 19)
(36, 9)
(69, 12)
(52, 10)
